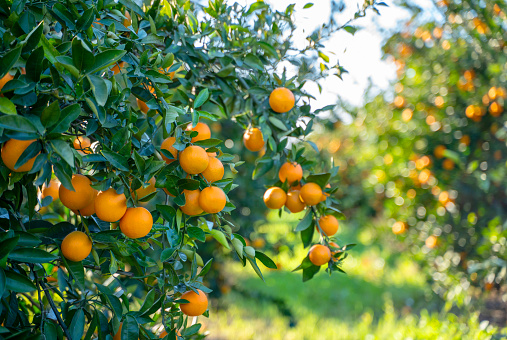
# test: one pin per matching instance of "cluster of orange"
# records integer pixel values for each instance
(494, 98)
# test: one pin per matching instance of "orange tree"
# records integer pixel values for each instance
(102, 104)
(432, 160)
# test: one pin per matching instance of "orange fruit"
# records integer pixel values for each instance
(136, 222)
(281, 100)
(191, 206)
(167, 144)
(197, 303)
(89, 210)
(142, 105)
(127, 22)
(110, 206)
(291, 172)
(253, 140)
(12, 150)
(5, 79)
(439, 151)
(76, 246)
(431, 242)
(333, 244)
(164, 333)
(293, 202)
(495, 109)
(141, 192)
(82, 143)
(399, 228)
(212, 200)
(117, 67)
(83, 195)
(215, 170)
(319, 254)
(329, 224)
(51, 190)
(275, 198)
(194, 160)
(310, 194)
(203, 131)
(448, 164)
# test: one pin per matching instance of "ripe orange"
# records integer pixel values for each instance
(333, 244)
(399, 228)
(12, 150)
(203, 131)
(142, 106)
(215, 170)
(89, 210)
(319, 254)
(167, 144)
(495, 109)
(194, 160)
(197, 303)
(141, 192)
(310, 194)
(191, 206)
(83, 195)
(212, 200)
(281, 100)
(51, 190)
(117, 67)
(82, 143)
(110, 206)
(448, 164)
(253, 139)
(136, 222)
(76, 246)
(293, 202)
(128, 21)
(275, 198)
(431, 242)
(5, 79)
(329, 224)
(439, 151)
(291, 172)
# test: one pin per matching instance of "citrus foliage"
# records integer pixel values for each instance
(102, 104)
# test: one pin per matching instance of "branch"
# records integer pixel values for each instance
(121, 272)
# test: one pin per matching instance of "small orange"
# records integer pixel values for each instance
(110, 206)
(333, 244)
(5, 79)
(293, 202)
(311, 194)
(167, 144)
(191, 206)
(194, 159)
(448, 164)
(136, 222)
(117, 67)
(76, 246)
(141, 192)
(431, 242)
(83, 195)
(197, 303)
(275, 198)
(12, 150)
(495, 109)
(128, 19)
(291, 172)
(329, 224)
(215, 170)
(51, 190)
(439, 151)
(82, 143)
(319, 254)
(281, 100)
(399, 228)
(203, 131)
(142, 106)
(212, 200)
(253, 139)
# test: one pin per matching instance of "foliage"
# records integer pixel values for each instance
(127, 75)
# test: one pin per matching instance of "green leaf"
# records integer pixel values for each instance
(67, 116)
(319, 179)
(310, 272)
(254, 62)
(255, 267)
(99, 111)
(167, 212)
(117, 160)
(17, 123)
(85, 21)
(33, 38)
(220, 237)
(106, 59)
(75, 269)
(77, 325)
(268, 49)
(166, 254)
(18, 283)
(34, 64)
(51, 114)
(277, 123)
(324, 57)
(305, 222)
(63, 149)
(7, 245)
(308, 5)
(262, 168)
(68, 64)
(208, 143)
(7, 107)
(50, 52)
(350, 29)
(307, 236)
(265, 260)
(201, 98)
(99, 88)
(197, 233)
(3, 282)
(81, 57)
(31, 255)
(8, 60)
(130, 329)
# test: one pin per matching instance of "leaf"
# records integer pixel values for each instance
(106, 59)
(34, 64)
(63, 149)
(208, 143)
(324, 57)
(51, 114)
(18, 283)
(77, 325)
(262, 168)
(201, 98)
(7, 245)
(307, 236)
(99, 111)
(67, 116)
(31, 255)
(350, 29)
(130, 329)
(310, 272)
(305, 222)
(254, 62)
(319, 179)
(308, 5)
(220, 237)
(76, 269)
(197, 233)
(265, 260)
(277, 123)
(117, 160)
(3, 282)
(166, 254)
(50, 52)
(7, 107)
(8, 60)
(167, 212)
(255, 267)
(33, 38)
(81, 57)
(268, 49)
(99, 88)
(85, 21)
(17, 123)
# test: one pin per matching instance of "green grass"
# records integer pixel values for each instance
(384, 296)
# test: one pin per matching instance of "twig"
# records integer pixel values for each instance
(121, 272)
